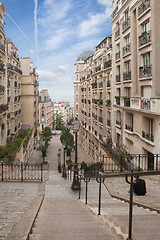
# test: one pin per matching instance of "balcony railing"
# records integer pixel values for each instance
(8, 133)
(126, 24)
(129, 127)
(117, 33)
(144, 38)
(3, 108)
(2, 68)
(118, 78)
(98, 68)
(2, 88)
(114, 12)
(108, 83)
(117, 100)
(108, 64)
(127, 49)
(145, 104)
(117, 55)
(127, 102)
(1, 25)
(143, 7)
(2, 47)
(118, 122)
(101, 119)
(108, 122)
(145, 71)
(3, 127)
(8, 115)
(101, 85)
(127, 76)
(148, 136)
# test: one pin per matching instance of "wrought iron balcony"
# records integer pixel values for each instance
(144, 38)
(8, 115)
(143, 7)
(148, 136)
(3, 108)
(117, 55)
(108, 64)
(118, 78)
(145, 71)
(129, 127)
(1, 25)
(127, 76)
(2, 88)
(3, 127)
(100, 119)
(127, 49)
(126, 24)
(117, 100)
(108, 122)
(101, 85)
(127, 102)
(117, 33)
(8, 133)
(108, 83)
(118, 122)
(2, 68)
(114, 12)
(98, 68)
(2, 47)
(145, 104)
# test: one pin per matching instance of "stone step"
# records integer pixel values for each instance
(74, 237)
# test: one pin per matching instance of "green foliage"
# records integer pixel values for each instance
(9, 151)
(45, 137)
(83, 165)
(69, 162)
(68, 138)
(59, 122)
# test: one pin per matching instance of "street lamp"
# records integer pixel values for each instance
(76, 183)
(59, 160)
(64, 175)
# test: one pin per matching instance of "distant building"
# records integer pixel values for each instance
(64, 109)
(29, 93)
(46, 110)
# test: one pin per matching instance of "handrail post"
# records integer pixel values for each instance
(100, 180)
(2, 171)
(41, 172)
(21, 172)
(86, 180)
(130, 205)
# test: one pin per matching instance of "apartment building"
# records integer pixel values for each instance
(94, 92)
(10, 87)
(29, 93)
(46, 110)
(13, 89)
(135, 75)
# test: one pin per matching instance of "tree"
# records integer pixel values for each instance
(45, 137)
(68, 138)
(59, 122)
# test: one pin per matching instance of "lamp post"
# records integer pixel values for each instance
(76, 183)
(59, 160)
(64, 175)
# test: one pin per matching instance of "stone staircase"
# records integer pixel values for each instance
(63, 217)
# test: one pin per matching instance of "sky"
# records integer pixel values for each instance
(53, 33)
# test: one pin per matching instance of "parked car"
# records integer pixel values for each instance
(54, 132)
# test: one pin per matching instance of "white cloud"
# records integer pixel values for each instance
(53, 10)
(107, 3)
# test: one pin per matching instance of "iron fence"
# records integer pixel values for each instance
(22, 172)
